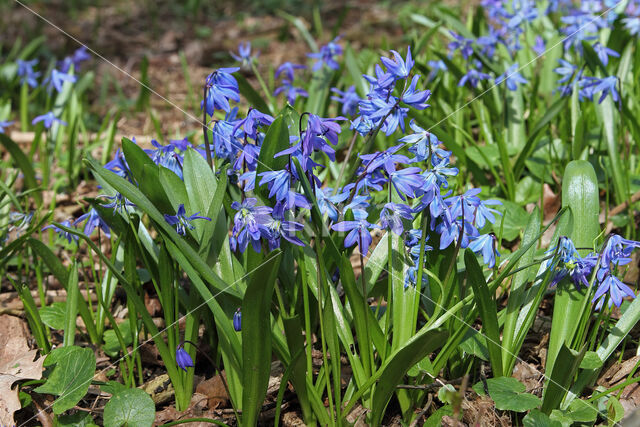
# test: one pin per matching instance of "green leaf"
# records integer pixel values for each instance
(23, 163)
(488, 310)
(591, 360)
(476, 344)
(435, 420)
(615, 411)
(511, 329)
(79, 419)
(397, 365)
(71, 312)
(580, 194)
(515, 220)
(550, 114)
(146, 174)
(131, 408)
(256, 338)
(132, 193)
(70, 379)
(566, 365)
(50, 259)
(53, 315)
(535, 418)
(607, 113)
(111, 342)
(508, 394)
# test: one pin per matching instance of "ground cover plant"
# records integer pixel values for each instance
(438, 231)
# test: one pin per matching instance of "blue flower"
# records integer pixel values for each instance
(616, 289)
(288, 69)
(221, 87)
(292, 93)
(486, 245)
(524, 11)
(62, 233)
(415, 98)
(250, 123)
(407, 181)
(327, 202)
(276, 227)
(244, 54)
(349, 100)
(387, 159)
(437, 175)
(279, 183)
(513, 78)
(462, 44)
(424, 144)
(539, 46)
(604, 52)
(327, 55)
(606, 85)
(632, 24)
(398, 67)
(181, 221)
(391, 217)
(474, 75)
(26, 73)
(119, 203)
(571, 263)
(183, 360)
(237, 320)
(567, 70)
(358, 234)
(411, 277)
(4, 124)
(247, 224)
(57, 79)
(166, 156)
(80, 55)
(617, 251)
(49, 119)
(436, 68)
(119, 164)
(93, 221)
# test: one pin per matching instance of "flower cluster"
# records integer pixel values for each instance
(615, 254)
(60, 75)
(581, 22)
(416, 170)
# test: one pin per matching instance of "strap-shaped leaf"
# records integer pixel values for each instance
(256, 337)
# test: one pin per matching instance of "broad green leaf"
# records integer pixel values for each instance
(535, 418)
(488, 310)
(70, 379)
(561, 377)
(580, 194)
(256, 339)
(53, 315)
(132, 193)
(23, 163)
(71, 312)
(508, 394)
(130, 408)
(517, 296)
(397, 365)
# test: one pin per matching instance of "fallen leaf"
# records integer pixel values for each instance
(16, 363)
(214, 389)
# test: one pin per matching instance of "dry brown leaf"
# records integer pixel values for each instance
(16, 363)
(214, 389)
